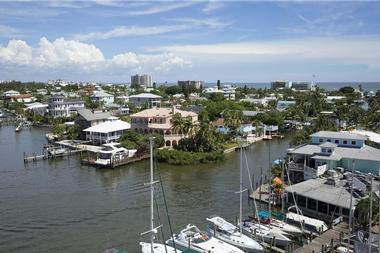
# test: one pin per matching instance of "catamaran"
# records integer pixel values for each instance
(193, 238)
(229, 233)
(153, 247)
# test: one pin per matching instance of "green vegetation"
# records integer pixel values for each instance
(179, 157)
(133, 140)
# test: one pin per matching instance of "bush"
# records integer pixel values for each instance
(178, 157)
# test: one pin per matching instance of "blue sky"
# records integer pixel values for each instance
(235, 41)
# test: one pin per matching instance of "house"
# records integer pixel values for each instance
(102, 97)
(145, 99)
(37, 108)
(42, 91)
(335, 150)
(60, 107)
(22, 98)
(10, 93)
(259, 101)
(227, 90)
(87, 118)
(220, 126)
(284, 105)
(109, 131)
(123, 99)
(159, 120)
(333, 99)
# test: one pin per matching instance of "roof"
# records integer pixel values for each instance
(109, 126)
(145, 95)
(318, 189)
(218, 122)
(36, 105)
(328, 145)
(375, 137)
(90, 116)
(162, 112)
(251, 113)
(339, 135)
(101, 94)
(364, 153)
(23, 96)
(332, 157)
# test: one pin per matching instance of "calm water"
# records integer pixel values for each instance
(61, 206)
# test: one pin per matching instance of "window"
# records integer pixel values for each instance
(336, 141)
(329, 150)
(328, 140)
(345, 142)
(311, 204)
(320, 140)
(323, 150)
(353, 142)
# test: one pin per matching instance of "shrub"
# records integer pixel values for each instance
(178, 157)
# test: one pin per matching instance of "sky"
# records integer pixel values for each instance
(234, 41)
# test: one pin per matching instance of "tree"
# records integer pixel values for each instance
(178, 124)
(72, 132)
(188, 126)
(233, 119)
(362, 211)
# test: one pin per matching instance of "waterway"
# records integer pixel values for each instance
(62, 206)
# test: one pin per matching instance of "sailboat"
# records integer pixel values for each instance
(229, 233)
(152, 247)
(191, 237)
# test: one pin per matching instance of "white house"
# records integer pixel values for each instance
(102, 96)
(61, 107)
(227, 90)
(106, 132)
(284, 105)
(10, 93)
(149, 99)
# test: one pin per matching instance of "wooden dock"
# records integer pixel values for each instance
(326, 242)
(90, 160)
(261, 194)
(45, 156)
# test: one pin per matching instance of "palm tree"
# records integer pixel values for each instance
(233, 119)
(362, 211)
(178, 124)
(206, 136)
(188, 126)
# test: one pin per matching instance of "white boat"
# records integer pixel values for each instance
(153, 247)
(229, 233)
(193, 238)
(56, 150)
(266, 234)
(310, 224)
(112, 151)
(342, 249)
(287, 228)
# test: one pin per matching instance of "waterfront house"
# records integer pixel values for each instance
(228, 91)
(60, 107)
(335, 150)
(323, 198)
(145, 99)
(102, 97)
(220, 126)
(159, 120)
(37, 108)
(109, 131)
(87, 118)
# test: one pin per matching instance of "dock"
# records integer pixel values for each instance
(45, 156)
(261, 194)
(90, 160)
(326, 242)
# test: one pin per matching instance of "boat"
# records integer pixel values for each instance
(18, 128)
(265, 233)
(283, 226)
(229, 233)
(152, 247)
(193, 238)
(309, 224)
(343, 249)
(53, 150)
(112, 151)
(51, 137)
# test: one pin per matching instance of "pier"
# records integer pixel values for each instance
(90, 158)
(46, 155)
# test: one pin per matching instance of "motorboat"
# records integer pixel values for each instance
(307, 223)
(225, 231)
(53, 150)
(112, 151)
(265, 233)
(153, 247)
(193, 238)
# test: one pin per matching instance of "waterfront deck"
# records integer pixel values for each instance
(90, 160)
(326, 242)
(261, 194)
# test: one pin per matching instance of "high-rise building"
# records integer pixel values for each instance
(145, 81)
(194, 84)
(281, 85)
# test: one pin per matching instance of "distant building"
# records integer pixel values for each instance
(109, 131)
(37, 108)
(22, 98)
(102, 97)
(195, 84)
(10, 93)
(303, 86)
(59, 107)
(145, 99)
(228, 91)
(159, 120)
(284, 105)
(275, 85)
(145, 81)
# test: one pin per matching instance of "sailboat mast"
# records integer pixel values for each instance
(270, 181)
(351, 213)
(370, 217)
(241, 190)
(151, 196)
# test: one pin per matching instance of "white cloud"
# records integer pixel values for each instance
(17, 52)
(346, 50)
(8, 32)
(171, 61)
(213, 23)
(161, 7)
(212, 6)
(129, 31)
(61, 52)
(79, 57)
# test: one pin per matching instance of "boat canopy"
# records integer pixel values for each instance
(222, 224)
